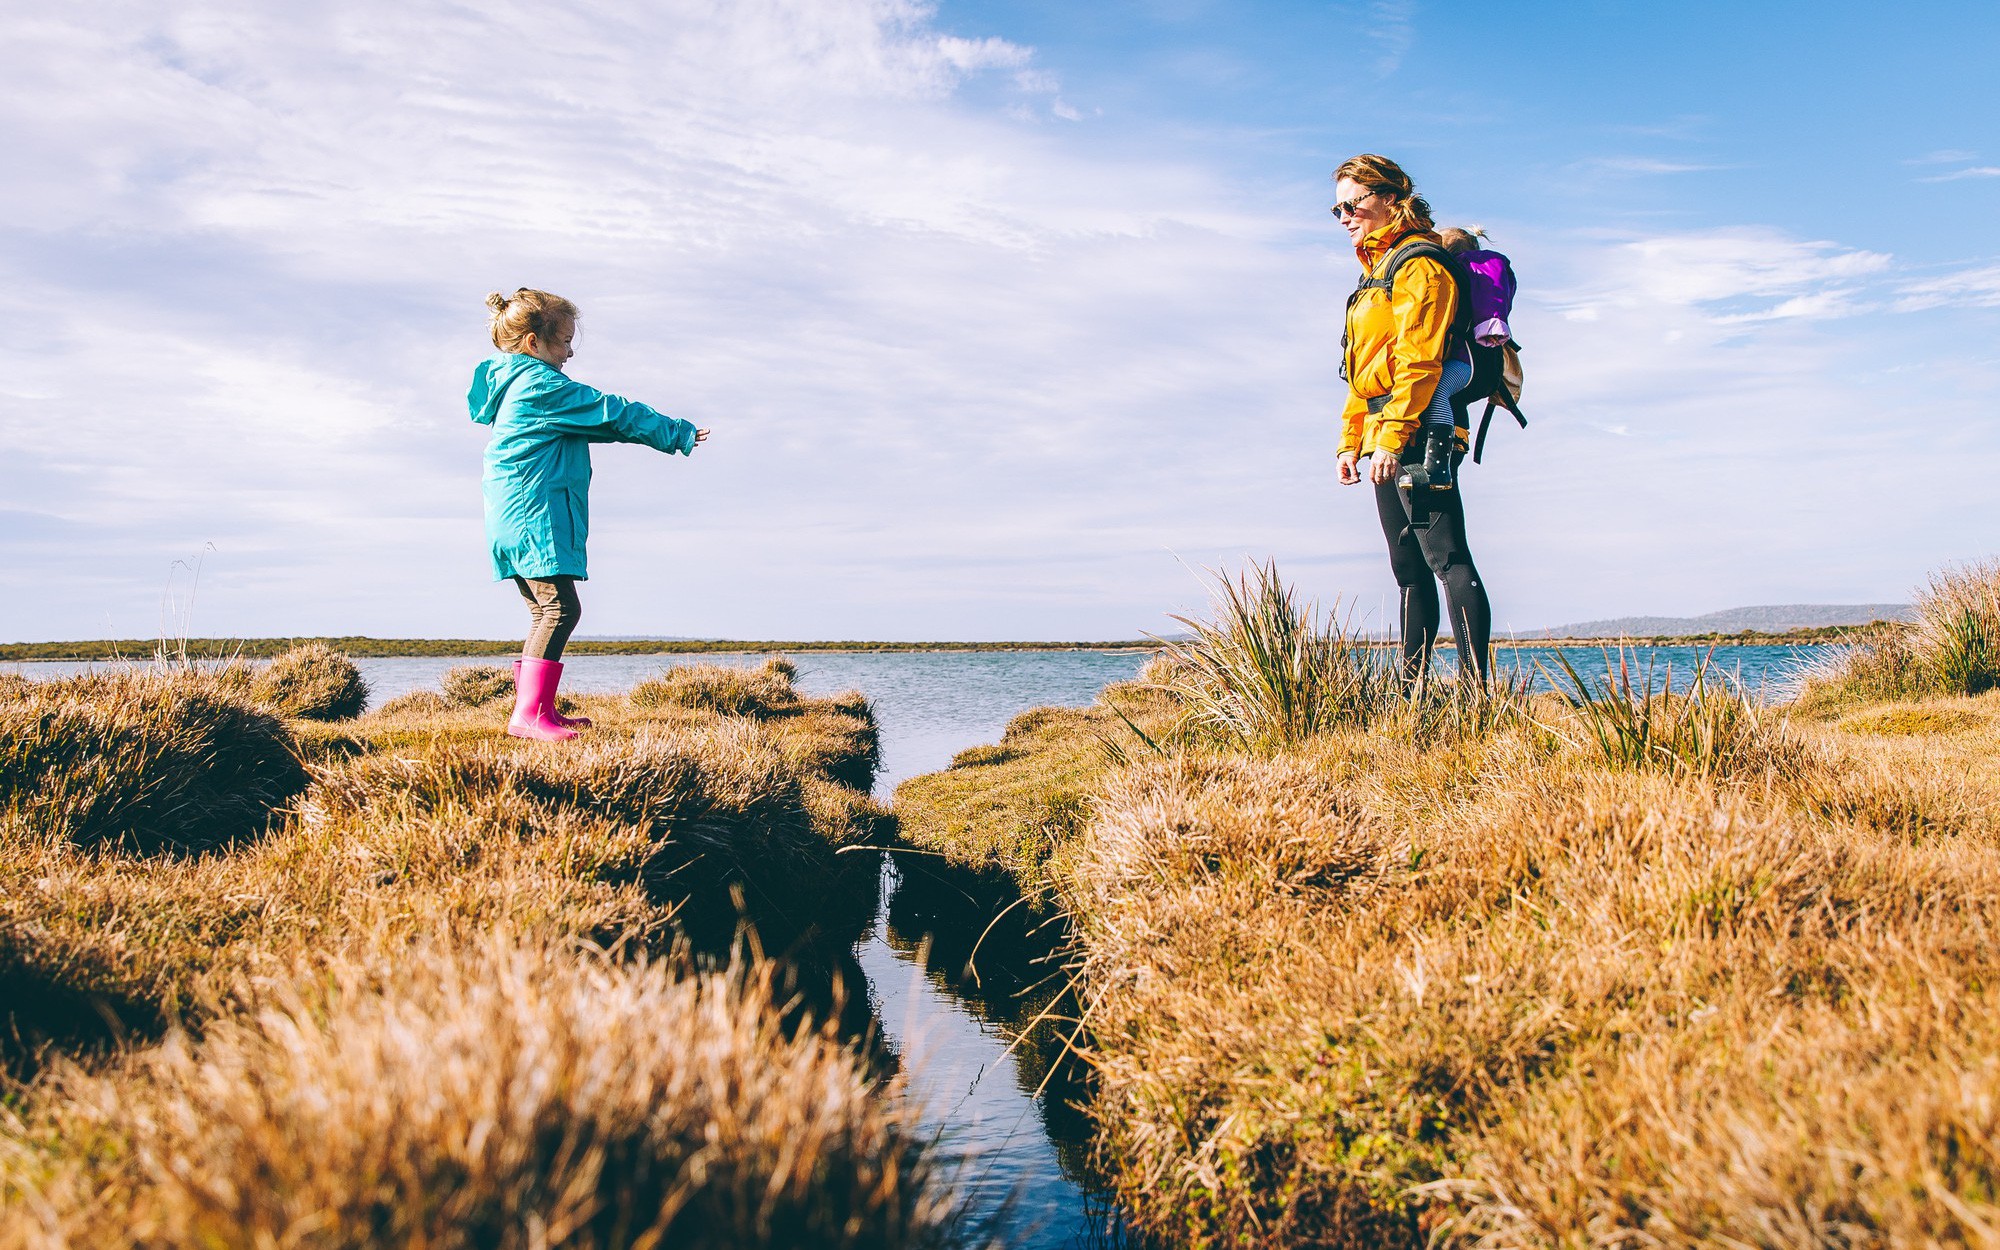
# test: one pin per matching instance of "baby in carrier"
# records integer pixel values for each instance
(1496, 371)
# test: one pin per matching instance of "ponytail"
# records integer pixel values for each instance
(1385, 177)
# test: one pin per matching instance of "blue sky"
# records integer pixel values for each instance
(1007, 316)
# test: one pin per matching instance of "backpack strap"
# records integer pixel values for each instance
(1502, 398)
(1461, 322)
(1409, 249)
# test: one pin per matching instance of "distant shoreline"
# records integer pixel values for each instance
(106, 649)
(111, 649)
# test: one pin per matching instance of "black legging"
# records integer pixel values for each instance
(1422, 557)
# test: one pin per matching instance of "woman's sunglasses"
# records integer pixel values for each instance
(1346, 208)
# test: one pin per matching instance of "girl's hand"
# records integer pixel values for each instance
(1349, 475)
(700, 435)
(1383, 468)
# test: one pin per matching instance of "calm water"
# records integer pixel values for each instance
(977, 1096)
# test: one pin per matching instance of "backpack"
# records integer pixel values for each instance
(1488, 295)
(1485, 282)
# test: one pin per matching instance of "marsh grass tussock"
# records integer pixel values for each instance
(147, 760)
(1951, 648)
(1269, 671)
(505, 1092)
(1635, 719)
(762, 691)
(313, 682)
(347, 956)
(473, 685)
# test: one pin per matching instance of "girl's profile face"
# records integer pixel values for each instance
(556, 349)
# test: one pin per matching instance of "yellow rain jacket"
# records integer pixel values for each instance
(1395, 344)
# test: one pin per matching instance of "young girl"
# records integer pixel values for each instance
(538, 482)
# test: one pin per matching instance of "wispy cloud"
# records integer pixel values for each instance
(1391, 25)
(1975, 171)
(1648, 165)
(1724, 274)
(1970, 288)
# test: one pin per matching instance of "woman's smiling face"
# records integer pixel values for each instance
(1360, 210)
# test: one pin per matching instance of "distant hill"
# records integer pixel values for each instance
(1768, 619)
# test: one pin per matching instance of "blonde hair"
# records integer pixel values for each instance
(1466, 239)
(1385, 177)
(527, 312)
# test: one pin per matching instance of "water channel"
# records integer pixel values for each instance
(1022, 1139)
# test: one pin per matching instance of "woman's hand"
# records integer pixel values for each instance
(1383, 468)
(1349, 475)
(700, 435)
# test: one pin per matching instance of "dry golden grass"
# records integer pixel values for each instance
(313, 682)
(721, 688)
(1518, 987)
(501, 1092)
(469, 685)
(148, 760)
(333, 985)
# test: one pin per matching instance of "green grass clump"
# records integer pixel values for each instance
(1713, 729)
(1269, 672)
(313, 682)
(474, 685)
(1952, 648)
(144, 761)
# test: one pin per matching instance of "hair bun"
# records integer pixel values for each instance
(497, 302)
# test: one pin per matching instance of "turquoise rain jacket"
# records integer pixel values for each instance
(538, 464)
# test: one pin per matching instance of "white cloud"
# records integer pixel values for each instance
(1975, 171)
(1648, 165)
(1970, 288)
(1391, 25)
(1725, 271)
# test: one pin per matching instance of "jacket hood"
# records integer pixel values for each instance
(491, 378)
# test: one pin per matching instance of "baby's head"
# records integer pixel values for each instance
(534, 323)
(1456, 240)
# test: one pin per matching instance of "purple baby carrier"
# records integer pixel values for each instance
(1490, 291)
(1487, 290)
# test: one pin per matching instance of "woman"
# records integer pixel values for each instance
(1404, 358)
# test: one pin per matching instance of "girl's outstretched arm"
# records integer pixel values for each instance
(575, 408)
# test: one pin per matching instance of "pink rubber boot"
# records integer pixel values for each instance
(567, 722)
(534, 703)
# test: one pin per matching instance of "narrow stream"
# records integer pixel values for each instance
(1013, 1120)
